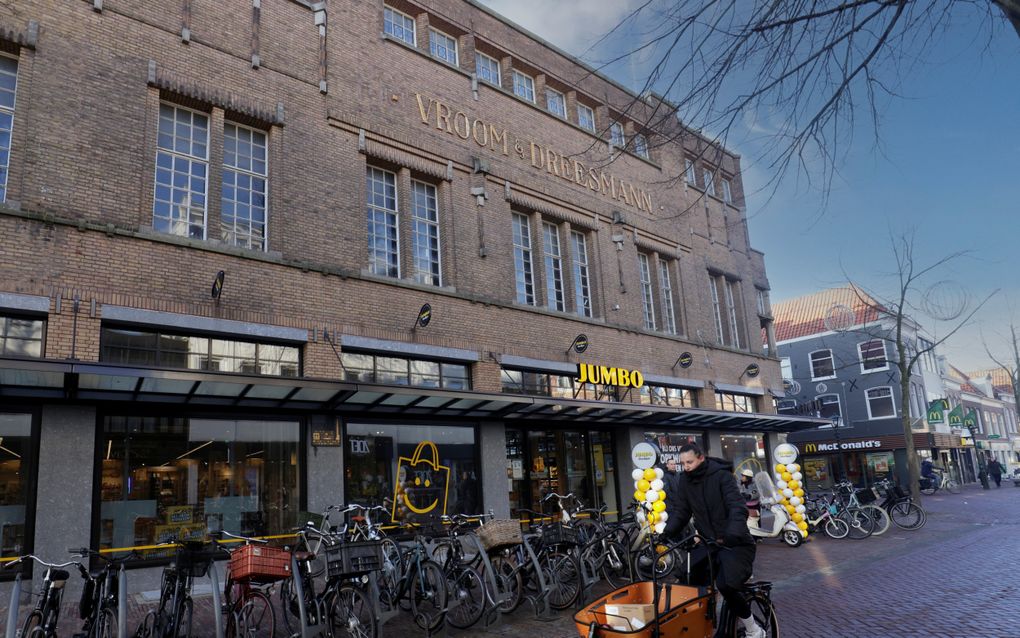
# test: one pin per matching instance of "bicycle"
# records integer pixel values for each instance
(172, 618)
(865, 500)
(42, 621)
(99, 595)
(247, 590)
(820, 514)
(860, 522)
(422, 582)
(939, 480)
(468, 595)
(903, 511)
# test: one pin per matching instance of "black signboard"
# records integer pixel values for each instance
(217, 285)
(685, 360)
(753, 370)
(425, 315)
(326, 433)
(580, 343)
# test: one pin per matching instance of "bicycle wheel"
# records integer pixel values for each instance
(861, 524)
(428, 596)
(106, 624)
(616, 568)
(32, 624)
(928, 491)
(665, 563)
(391, 574)
(566, 579)
(252, 616)
(952, 486)
(836, 528)
(467, 597)
(907, 515)
(145, 628)
(881, 518)
(351, 614)
(763, 612)
(508, 580)
(182, 623)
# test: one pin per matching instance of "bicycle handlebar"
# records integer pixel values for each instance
(35, 558)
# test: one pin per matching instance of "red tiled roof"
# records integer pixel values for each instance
(1000, 378)
(805, 316)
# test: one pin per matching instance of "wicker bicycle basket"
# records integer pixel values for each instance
(500, 534)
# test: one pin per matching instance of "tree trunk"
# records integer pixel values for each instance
(913, 466)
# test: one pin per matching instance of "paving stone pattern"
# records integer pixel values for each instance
(956, 577)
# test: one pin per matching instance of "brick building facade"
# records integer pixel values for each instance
(152, 145)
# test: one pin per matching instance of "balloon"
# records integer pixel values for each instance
(800, 509)
(652, 516)
(662, 495)
(796, 467)
(664, 516)
(659, 473)
(799, 493)
(795, 501)
(637, 474)
(797, 476)
(657, 484)
(659, 506)
(802, 526)
(651, 496)
(791, 468)
(787, 492)
(649, 474)
(780, 467)
(790, 509)
(660, 528)
(781, 485)
(803, 533)
(643, 485)
(640, 515)
(797, 517)
(786, 476)
(639, 496)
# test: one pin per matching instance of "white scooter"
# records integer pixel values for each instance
(782, 524)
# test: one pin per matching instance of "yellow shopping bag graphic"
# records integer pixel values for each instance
(422, 485)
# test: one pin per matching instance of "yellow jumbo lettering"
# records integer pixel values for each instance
(623, 376)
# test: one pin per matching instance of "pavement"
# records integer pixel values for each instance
(958, 576)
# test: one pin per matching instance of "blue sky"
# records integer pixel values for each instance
(947, 168)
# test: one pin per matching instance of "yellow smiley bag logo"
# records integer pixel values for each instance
(422, 483)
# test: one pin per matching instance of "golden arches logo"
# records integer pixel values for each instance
(810, 447)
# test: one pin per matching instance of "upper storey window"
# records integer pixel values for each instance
(182, 168)
(524, 86)
(399, 25)
(616, 135)
(245, 176)
(556, 103)
(487, 69)
(586, 117)
(641, 145)
(443, 47)
(8, 89)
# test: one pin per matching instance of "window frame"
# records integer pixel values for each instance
(409, 369)
(434, 274)
(585, 108)
(371, 208)
(839, 405)
(414, 26)
(498, 81)
(640, 146)
(727, 190)
(6, 317)
(528, 86)
(647, 293)
(552, 257)
(732, 294)
(434, 47)
(12, 110)
(251, 174)
(690, 173)
(666, 289)
(617, 135)
(32, 489)
(550, 92)
(832, 360)
(523, 252)
(717, 307)
(861, 360)
(173, 154)
(868, 400)
(581, 270)
(708, 175)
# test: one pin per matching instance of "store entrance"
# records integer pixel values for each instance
(542, 462)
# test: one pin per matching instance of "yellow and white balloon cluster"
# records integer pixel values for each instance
(791, 493)
(649, 491)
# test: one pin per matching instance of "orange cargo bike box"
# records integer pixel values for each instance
(630, 612)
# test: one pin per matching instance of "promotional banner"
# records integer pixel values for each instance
(422, 485)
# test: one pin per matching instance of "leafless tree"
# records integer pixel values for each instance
(1010, 364)
(808, 70)
(898, 315)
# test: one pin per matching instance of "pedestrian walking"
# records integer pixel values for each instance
(670, 475)
(995, 471)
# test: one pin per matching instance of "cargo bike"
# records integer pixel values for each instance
(657, 609)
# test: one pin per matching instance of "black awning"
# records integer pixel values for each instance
(92, 382)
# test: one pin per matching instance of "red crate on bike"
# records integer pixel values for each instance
(259, 563)
(682, 610)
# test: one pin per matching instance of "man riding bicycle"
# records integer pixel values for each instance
(707, 491)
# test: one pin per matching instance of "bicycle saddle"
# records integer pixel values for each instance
(302, 557)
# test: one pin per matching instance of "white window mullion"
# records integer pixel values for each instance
(553, 267)
(182, 170)
(425, 247)
(383, 222)
(647, 298)
(582, 286)
(243, 214)
(668, 313)
(8, 96)
(523, 268)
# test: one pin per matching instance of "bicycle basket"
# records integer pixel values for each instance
(500, 534)
(353, 559)
(193, 560)
(898, 492)
(257, 563)
(867, 496)
(559, 534)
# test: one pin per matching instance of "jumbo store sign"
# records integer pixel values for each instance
(812, 448)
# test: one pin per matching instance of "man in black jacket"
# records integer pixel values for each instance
(707, 491)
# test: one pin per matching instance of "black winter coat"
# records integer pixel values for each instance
(711, 496)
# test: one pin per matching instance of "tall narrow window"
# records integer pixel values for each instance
(616, 135)
(555, 102)
(640, 145)
(487, 69)
(522, 260)
(706, 174)
(443, 47)
(243, 216)
(727, 191)
(8, 91)
(717, 309)
(182, 164)
(647, 300)
(425, 234)
(383, 245)
(553, 267)
(689, 174)
(732, 294)
(586, 117)
(524, 86)
(582, 287)
(666, 284)
(399, 25)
